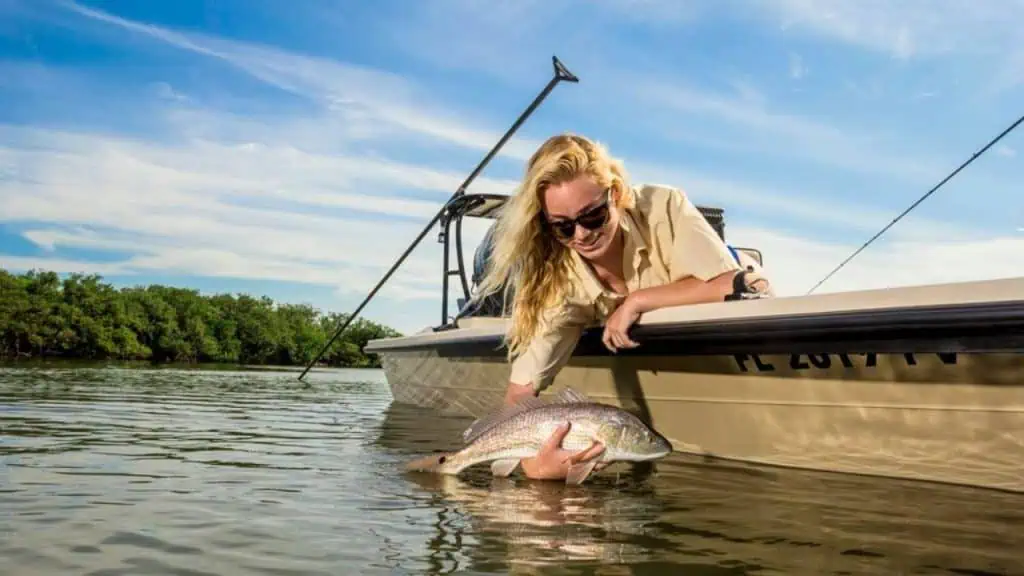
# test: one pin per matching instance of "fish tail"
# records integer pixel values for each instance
(438, 463)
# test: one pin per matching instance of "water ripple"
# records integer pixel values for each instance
(111, 471)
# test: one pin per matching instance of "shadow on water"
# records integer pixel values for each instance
(110, 471)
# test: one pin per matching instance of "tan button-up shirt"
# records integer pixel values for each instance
(666, 239)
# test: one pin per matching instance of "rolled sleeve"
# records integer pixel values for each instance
(695, 249)
(551, 347)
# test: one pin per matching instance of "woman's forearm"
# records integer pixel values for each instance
(514, 393)
(688, 290)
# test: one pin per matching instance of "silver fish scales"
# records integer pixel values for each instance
(517, 432)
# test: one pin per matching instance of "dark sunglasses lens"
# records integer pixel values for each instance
(591, 220)
(594, 219)
(564, 229)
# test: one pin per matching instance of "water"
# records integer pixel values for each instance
(194, 472)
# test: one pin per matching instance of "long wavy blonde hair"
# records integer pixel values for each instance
(525, 254)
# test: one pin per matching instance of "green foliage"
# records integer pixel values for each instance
(82, 317)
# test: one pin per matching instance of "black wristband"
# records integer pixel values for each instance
(739, 286)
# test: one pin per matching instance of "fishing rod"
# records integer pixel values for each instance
(561, 73)
(973, 157)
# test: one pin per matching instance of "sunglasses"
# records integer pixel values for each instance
(592, 219)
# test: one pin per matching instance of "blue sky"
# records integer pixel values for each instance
(294, 149)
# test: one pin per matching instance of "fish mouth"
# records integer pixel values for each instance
(643, 456)
(654, 455)
(662, 448)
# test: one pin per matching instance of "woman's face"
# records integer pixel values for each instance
(582, 215)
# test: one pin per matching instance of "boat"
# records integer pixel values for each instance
(915, 382)
(921, 382)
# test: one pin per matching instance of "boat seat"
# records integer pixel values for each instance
(748, 257)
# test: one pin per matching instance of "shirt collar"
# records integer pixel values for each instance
(634, 235)
(634, 245)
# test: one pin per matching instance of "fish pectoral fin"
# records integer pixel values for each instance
(504, 468)
(579, 472)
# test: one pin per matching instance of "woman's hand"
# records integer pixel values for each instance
(617, 327)
(552, 462)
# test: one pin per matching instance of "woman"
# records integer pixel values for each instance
(581, 247)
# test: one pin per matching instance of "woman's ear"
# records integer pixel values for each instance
(616, 192)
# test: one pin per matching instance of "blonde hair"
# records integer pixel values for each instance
(525, 252)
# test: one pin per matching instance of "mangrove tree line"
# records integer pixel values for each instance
(83, 317)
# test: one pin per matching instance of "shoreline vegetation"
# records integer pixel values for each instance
(80, 317)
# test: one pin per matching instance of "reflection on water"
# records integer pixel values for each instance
(109, 471)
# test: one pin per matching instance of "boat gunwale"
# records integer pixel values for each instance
(930, 309)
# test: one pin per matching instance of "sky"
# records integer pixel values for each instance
(294, 149)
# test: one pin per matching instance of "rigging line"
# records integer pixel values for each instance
(973, 157)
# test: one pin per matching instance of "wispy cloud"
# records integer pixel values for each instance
(796, 264)
(180, 202)
(987, 33)
(320, 170)
(758, 205)
(904, 29)
(747, 121)
(380, 97)
(797, 70)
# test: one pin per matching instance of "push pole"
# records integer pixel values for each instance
(561, 73)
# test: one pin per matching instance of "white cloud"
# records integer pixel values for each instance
(58, 265)
(167, 210)
(167, 92)
(797, 69)
(377, 96)
(796, 264)
(906, 28)
(988, 32)
(748, 121)
(225, 195)
(803, 206)
(184, 209)
(506, 40)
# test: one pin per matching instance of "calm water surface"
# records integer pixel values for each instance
(124, 471)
